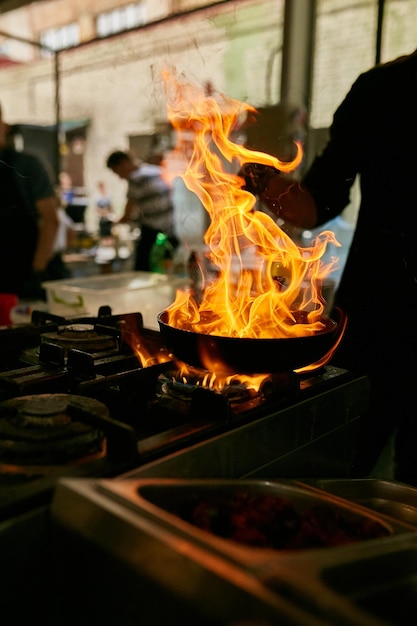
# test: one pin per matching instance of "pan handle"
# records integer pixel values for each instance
(341, 327)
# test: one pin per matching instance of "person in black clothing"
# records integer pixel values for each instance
(374, 136)
(29, 221)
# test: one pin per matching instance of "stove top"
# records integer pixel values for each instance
(101, 396)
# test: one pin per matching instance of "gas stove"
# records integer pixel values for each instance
(101, 397)
(54, 375)
(76, 400)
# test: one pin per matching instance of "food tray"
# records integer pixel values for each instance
(128, 292)
(358, 583)
(166, 500)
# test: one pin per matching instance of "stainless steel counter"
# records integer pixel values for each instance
(115, 564)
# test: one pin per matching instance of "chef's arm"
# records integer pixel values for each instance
(48, 226)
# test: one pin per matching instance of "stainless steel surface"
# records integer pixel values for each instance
(105, 550)
(170, 577)
(158, 499)
(397, 500)
(305, 429)
(348, 585)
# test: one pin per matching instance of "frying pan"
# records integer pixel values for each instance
(247, 355)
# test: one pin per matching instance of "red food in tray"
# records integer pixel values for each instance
(275, 522)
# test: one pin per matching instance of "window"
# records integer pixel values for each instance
(60, 38)
(121, 19)
(344, 47)
(399, 33)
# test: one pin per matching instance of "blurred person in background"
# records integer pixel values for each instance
(374, 136)
(66, 189)
(29, 214)
(149, 203)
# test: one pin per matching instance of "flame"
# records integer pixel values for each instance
(266, 286)
(219, 380)
(142, 346)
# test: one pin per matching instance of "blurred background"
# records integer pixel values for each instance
(79, 78)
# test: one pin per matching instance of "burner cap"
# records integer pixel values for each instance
(80, 336)
(41, 429)
(44, 405)
(78, 328)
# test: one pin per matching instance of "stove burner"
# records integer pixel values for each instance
(234, 392)
(199, 393)
(40, 430)
(80, 336)
(45, 406)
(194, 391)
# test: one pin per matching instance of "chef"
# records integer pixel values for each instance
(373, 136)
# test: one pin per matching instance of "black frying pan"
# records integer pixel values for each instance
(249, 355)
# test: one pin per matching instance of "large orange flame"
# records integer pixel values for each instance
(265, 280)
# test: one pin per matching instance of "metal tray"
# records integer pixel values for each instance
(367, 583)
(391, 498)
(164, 499)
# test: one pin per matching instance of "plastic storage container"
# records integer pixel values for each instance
(127, 292)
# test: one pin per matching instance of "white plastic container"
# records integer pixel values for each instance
(127, 292)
